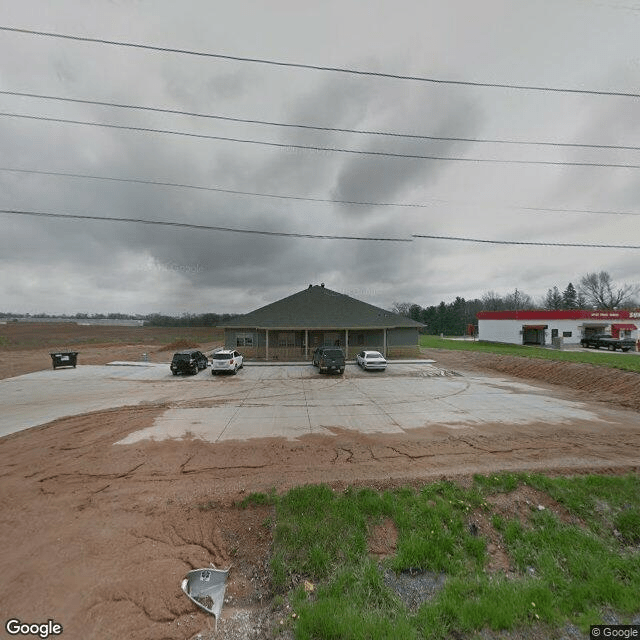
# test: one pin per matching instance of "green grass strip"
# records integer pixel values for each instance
(564, 571)
(622, 361)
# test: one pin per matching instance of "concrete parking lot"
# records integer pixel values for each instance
(286, 401)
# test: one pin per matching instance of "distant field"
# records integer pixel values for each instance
(20, 336)
(626, 361)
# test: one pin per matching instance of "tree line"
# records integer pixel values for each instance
(186, 320)
(150, 320)
(593, 291)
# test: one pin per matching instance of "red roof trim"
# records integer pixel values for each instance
(580, 314)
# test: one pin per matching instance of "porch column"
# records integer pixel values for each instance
(266, 348)
(384, 342)
(346, 344)
(306, 344)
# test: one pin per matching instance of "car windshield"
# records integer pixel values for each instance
(373, 354)
(222, 356)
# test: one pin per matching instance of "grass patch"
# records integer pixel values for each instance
(259, 499)
(616, 361)
(563, 572)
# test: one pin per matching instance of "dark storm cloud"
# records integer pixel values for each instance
(385, 179)
(133, 267)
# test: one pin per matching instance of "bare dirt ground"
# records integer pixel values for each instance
(99, 537)
(25, 346)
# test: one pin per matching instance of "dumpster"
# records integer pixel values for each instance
(64, 359)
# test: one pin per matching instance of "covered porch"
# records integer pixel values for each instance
(295, 345)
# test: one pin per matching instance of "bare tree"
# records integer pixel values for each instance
(518, 300)
(402, 308)
(492, 301)
(600, 292)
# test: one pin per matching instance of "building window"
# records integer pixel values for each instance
(287, 339)
(566, 334)
(332, 339)
(244, 339)
(554, 333)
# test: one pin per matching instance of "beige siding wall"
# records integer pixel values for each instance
(403, 352)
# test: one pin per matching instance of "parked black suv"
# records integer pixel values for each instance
(329, 359)
(188, 361)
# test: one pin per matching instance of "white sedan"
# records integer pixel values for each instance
(226, 360)
(371, 360)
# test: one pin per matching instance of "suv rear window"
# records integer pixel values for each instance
(178, 357)
(332, 353)
(222, 356)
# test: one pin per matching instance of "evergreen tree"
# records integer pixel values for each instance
(570, 297)
(553, 300)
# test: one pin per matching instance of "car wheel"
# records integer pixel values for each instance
(625, 350)
(612, 347)
(175, 373)
(235, 370)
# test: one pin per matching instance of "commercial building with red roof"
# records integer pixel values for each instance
(542, 327)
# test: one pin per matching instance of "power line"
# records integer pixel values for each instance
(281, 145)
(391, 134)
(588, 211)
(216, 189)
(201, 227)
(312, 67)
(537, 244)
(298, 198)
(413, 205)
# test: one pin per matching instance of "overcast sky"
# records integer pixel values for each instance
(69, 265)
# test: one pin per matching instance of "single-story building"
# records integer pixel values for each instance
(291, 328)
(541, 327)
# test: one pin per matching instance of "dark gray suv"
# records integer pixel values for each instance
(329, 359)
(188, 361)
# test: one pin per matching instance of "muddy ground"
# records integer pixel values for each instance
(98, 537)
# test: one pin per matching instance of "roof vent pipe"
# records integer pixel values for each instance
(322, 284)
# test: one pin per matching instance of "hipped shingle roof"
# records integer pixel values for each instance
(319, 308)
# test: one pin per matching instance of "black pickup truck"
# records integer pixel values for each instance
(606, 341)
(329, 359)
